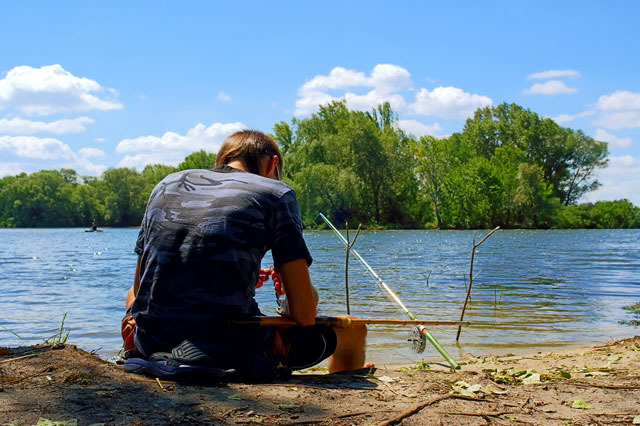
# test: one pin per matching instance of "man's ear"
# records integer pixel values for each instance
(272, 167)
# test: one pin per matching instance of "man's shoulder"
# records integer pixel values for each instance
(193, 180)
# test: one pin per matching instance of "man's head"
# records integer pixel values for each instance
(257, 151)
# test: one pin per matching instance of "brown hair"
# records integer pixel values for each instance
(249, 146)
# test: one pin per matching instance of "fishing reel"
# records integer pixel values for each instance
(418, 339)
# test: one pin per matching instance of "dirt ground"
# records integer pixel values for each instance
(63, 385)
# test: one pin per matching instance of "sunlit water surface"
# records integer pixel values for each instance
(542, 289)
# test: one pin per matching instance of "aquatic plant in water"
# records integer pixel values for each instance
(635, 310)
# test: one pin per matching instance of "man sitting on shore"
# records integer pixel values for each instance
(200, 247)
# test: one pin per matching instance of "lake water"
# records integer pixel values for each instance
(542, 289)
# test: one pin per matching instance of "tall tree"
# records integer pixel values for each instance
(198, 160)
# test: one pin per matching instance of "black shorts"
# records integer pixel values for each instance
(309, 346)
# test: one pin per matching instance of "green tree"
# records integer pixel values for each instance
(124, 197)
(198, 160)
(569, 158)
(434, 160)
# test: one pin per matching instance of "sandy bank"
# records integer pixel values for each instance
(594, 385)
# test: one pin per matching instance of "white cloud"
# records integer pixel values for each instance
(419, 129)
(27, 127)
(448, 102)
(554, 74)
(621, 179)
(338, 78)
(565, 118)
(385, 82)
(224, 97)
(621, 100)
(372, 99)
(620, 110)
(91, 153)
(10, 169)
(51, 90)
(37, 148)
(613, 140)
(551, 87)
(308, 104)
(619, 120)
(171, 148)
(100, 140)
(385, 79)
(56, 153)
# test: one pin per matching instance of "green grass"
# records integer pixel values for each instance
(60, 338)
(12, 332)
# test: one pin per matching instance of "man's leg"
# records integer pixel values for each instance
(128, 324)
(349, 353)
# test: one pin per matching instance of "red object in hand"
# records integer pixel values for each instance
(277, 281)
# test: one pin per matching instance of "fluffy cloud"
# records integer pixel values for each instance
(338, 78)
(385, 79)
(36, 148)
(619, 120)
(419, 129)
(620, 179)
(91, 153)
(619, 101)
(551, 87)
(51, 90)
(613, 140)
(448, 102)
(224, 97)
(565, 118)
(171, 148)
(57, 154)
(19, 126)
(620, 110)
(554, 74)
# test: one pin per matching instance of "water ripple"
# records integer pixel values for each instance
(540, 289)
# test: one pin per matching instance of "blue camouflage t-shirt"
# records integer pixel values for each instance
(201, 242)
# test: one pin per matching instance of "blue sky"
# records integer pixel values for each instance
(92, 85)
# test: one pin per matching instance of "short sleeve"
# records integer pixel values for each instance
(140, 242)
(288, 242)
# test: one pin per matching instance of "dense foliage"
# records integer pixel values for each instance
(507, 167)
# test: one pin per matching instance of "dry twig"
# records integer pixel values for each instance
(346, 263)
(471, 277)
(17, 358)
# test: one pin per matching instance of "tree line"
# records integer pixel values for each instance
(508, 167)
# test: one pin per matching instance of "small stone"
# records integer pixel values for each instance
(1, 388)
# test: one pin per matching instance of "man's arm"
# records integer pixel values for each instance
(301, 297)
(133, 290)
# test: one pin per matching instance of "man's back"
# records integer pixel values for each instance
(202, 241)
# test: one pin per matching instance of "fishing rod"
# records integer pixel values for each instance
(279, 321)
(419, 334)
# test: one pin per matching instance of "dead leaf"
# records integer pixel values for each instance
(531, 379)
